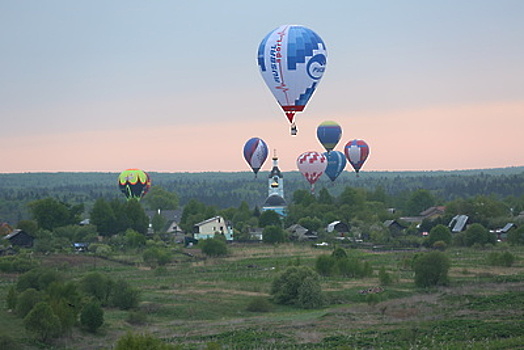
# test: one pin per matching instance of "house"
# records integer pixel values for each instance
(20, 238)
(172, 219)
(502, 233)
(458, 223)
(338, 227)
(300, 233)
(394, 227)
(211, 227)
(431, 213)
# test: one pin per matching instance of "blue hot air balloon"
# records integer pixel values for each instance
(329, 133)
(336, 164)
(255, 153)
(292, 60)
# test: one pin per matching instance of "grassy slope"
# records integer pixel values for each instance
(202, 301)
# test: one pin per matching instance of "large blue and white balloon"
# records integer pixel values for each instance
(336, 163)
(255, 153)
(292, 60)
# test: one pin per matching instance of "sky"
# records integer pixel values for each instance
(173, 86)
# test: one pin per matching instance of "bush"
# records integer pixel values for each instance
(98, 286)
(431, 269)
(213, 247)
(92, 316)
(325, 264)
(27, 300)
(299, 286)
(42, 321)
(156, 256)
(439, 233)
(384, 277)
(11, 298)
(478, 235)
(124, 296)
(259, 304)
(137, 318)
(501, 259)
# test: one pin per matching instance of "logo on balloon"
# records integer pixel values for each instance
(316, 66)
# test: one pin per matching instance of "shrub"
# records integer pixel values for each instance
(339, 253)
(213, 247)
(439, 233)
(11, 298)
(92, 316)
(384, 277)
(124, 296)
(501, 259)
(476, 234)
(324, 265)
(259, 304)
(97, 285)
(137, 318)
(42, 321)
(297, 285)
(431, 269)
(440, 245)
(156, 256)
(27, 300)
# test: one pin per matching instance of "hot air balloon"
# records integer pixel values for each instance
(292, 60)
(312, 166)
(329, 133)
(255, 153)
(336, 162)
(357, 152)
(134, 183)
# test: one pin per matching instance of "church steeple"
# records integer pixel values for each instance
(276, 180)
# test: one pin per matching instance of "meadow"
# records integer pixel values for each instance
(197, 302)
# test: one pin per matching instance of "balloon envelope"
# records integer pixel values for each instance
(134, 183)
(357, 152)
(336, 162)
(255, 153)
(311, 165)
(292, 60)
(329, 133)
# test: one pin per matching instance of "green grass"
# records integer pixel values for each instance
(196, 302)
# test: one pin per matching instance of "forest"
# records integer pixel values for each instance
(225, 190)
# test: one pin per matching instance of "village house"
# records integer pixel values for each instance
(20, 238)
(211, 227)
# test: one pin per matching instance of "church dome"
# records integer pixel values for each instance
(275, 201)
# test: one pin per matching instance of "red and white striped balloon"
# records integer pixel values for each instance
(312, 165)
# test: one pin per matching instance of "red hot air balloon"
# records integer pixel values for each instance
(357, 152)
(312, 166)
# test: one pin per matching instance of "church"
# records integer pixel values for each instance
(275, 200)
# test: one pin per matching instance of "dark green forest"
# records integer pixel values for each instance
(225, 190)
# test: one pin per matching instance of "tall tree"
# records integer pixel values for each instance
(50, 213)
(160, 198)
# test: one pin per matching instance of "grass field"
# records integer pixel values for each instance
(200, 303)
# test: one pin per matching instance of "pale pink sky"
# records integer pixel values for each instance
(446, 138)
(166, 86)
